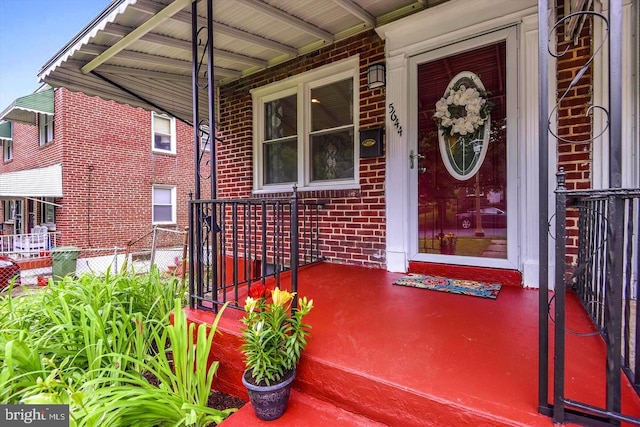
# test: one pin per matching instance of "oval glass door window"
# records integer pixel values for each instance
(464, 124)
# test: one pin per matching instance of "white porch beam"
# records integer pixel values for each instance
(254, 39)
(357, 11)
(179, 64)
(220, 28)
(127, 71)
(135, 72)
(288, 19)
(225, 72)
(232, 56)
(143, 29)
(185, 45)
(146, 58)
(121, 31)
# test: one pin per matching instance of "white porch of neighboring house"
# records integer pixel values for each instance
(30, 186)
(38, 243)
(26, 232)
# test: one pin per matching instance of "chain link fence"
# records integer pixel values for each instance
(164, 248)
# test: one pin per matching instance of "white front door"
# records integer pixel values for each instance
(463, 153)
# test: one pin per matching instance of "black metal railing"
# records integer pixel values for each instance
(598, 227)
(239, 243)
(605, 280)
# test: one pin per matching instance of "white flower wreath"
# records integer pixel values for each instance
(462, 111)
(464, 125)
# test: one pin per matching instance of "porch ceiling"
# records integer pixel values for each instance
(138, 52)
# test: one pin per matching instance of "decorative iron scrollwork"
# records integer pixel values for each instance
(204, 141)
(574, 82)
(204, 128)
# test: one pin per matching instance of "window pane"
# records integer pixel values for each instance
(9, 210)
(162, 214)
(49, 215)
(45, 125)
(332, 156)
(162, 196)
(280, 118)
(162, 142)
(8, 150)
(332, 105)
(162, 125)
(281, 162)
(205, 137)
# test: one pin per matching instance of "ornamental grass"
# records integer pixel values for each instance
(94, 343)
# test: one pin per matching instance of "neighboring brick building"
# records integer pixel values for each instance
(92, 170)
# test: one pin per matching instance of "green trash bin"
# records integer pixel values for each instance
(63, 260)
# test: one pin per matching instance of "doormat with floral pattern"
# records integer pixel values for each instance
(455, 286)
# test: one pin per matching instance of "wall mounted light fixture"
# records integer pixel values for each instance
(376, 76)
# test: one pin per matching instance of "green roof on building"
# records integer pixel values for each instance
(6, 130)
(26, 108)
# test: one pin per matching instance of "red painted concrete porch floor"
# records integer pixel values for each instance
(407, 356)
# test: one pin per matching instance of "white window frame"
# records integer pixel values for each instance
(301, 85)
(205, 138)
(45, 128)
(172, 136)
(48, 211)
(7, 150)
(173, 203)
(8, 207)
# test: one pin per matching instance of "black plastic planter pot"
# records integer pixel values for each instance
(269, 402)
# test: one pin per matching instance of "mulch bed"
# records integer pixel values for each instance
(222, 401)
(217, 399)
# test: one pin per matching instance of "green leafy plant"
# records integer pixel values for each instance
(184, 379)
(95, 343)
(274, 335)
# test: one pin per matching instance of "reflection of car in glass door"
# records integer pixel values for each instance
(491, 218)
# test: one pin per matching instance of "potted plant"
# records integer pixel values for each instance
(274, 338)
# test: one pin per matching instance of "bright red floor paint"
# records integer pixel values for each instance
(437, 358)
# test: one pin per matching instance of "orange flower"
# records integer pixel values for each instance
(259, 291)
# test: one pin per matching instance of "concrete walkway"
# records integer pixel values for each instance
(497, 249)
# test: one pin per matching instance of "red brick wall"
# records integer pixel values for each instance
(27, 152)
(573, 122)
(108, 169)
(352, 228)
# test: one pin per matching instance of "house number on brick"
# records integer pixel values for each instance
(394, 119)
